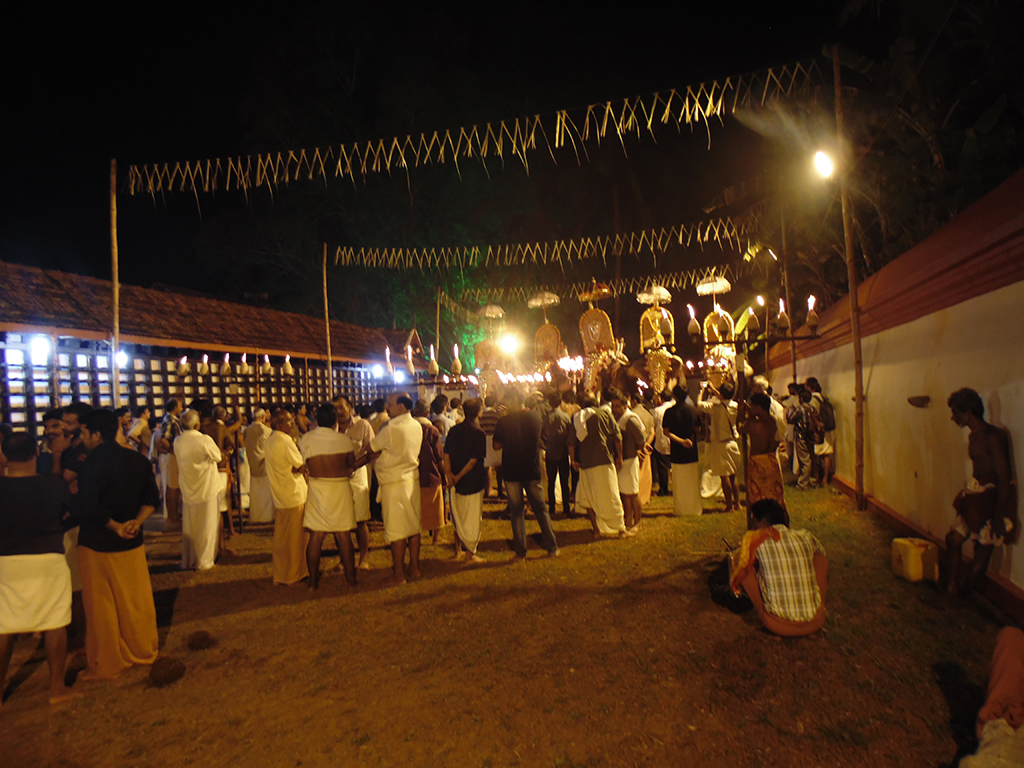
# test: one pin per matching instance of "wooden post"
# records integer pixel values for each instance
(116, 284)
(437, 324)
(851, 267)
(785, 280)
(327, 325)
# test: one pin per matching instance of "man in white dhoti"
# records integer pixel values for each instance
(634, 444)
(464, 454)
(360, 433)
(396, 448)
(330, 460)
(35, 583)
(595, 449)
(170, 429)
(679, 425)
(197, 456)
(261, 504)
(725, 450)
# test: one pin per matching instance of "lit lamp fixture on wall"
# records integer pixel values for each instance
(409, 366)
(387, 361)
(456, 363)
(267, 367)
(225, 369)
(287, 369)
(432, 367)
(244, 367)
(204, 367)
(183, 367)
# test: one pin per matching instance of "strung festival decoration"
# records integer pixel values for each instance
(516, 138)
(723, 231)
(680, 280)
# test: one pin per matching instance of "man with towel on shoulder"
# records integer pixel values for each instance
(197, 457)
(285, 469)
(396, 448)
(261, 503)
(330, 459)
(35, 583)
(596, 451)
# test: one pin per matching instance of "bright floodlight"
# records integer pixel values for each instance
(40, 350)
(399, 376)
(760, 301)
(509, 344)
(377, 371)
(823, 164)
(122, 359)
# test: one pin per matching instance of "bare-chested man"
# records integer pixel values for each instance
(224, 436)
(764, 474)
(360, 433)
(986, 508)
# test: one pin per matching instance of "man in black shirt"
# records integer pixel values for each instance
(117, 493)
(679, 424)
(35, 583)
(556, 451)
(517, 436)
(465, 451)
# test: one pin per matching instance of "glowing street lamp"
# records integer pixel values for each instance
(823, 165)
(509, 344)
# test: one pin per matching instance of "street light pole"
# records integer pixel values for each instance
(785, 285)
(851, 266)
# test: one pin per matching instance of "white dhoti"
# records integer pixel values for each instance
(199, 534)
(400, 506)
(168, 475)
(724, 458)
(360, 484)
(493, 457)
(599, 490)
(467, 512)
(629, 477)
(329, 505)
(244, 479)
(35, 593)
(686, 491)
(261, 503)
(71, 556)
(224, 492)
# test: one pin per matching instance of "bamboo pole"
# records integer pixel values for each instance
(785, 280)
(116, 284)
(327, 326)
(437, 323)
(851, 267)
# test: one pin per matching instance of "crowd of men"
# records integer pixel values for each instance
(72, 508)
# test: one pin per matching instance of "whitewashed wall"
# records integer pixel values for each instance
(915, 459)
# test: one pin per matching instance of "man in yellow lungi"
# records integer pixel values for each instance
(285, 469)
(117, 494)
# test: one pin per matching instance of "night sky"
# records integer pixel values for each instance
(187, 82)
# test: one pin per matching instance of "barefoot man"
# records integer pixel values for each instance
(35, 583)
(764, 474)
(595, 450)
(360, 433)
(396, 449)
(986, 510)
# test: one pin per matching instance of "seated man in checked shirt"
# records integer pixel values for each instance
(783, 572)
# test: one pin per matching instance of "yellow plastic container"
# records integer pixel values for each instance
(915, 559)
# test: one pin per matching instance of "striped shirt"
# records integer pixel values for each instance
(489, 419)
(786, 574)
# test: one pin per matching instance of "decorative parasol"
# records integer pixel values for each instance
(712, 286)
(656, 294)
(597, 292)
(543, 300)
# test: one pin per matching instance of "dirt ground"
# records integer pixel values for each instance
(611, 655)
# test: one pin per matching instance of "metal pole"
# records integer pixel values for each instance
(785, 281)
(327, 325)
(851, 266)
(116, 283)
